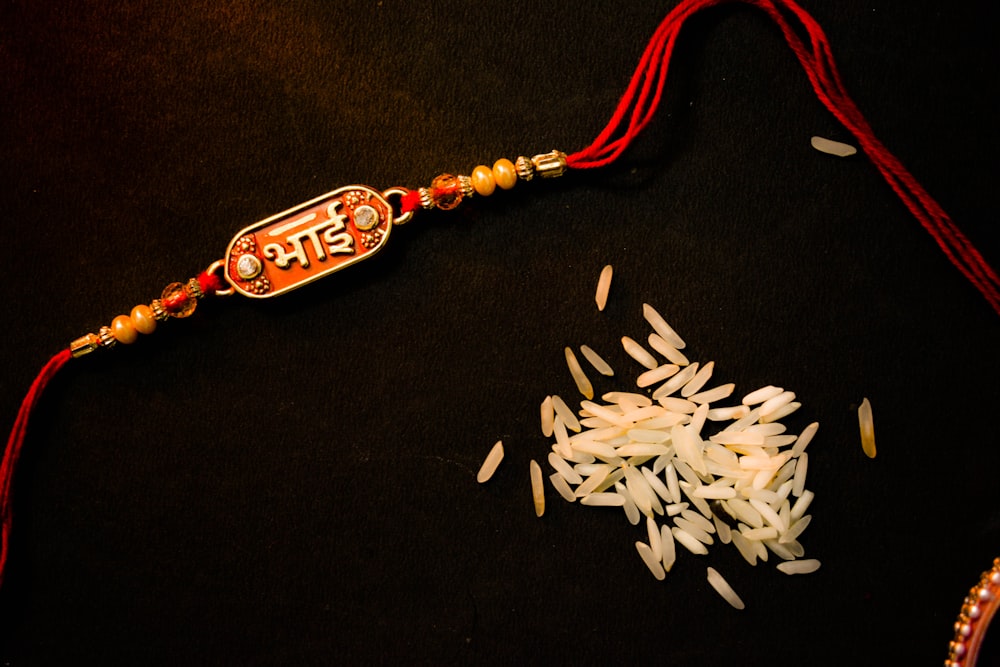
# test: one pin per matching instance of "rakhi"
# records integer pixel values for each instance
(255, 265)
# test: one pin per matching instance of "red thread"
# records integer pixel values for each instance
(16, 440)
(645, 91)
(176, 301)
(409, 202)
(210, 283)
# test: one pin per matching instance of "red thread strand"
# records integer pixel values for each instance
(14, 443)
(210, 283)
(644, 92)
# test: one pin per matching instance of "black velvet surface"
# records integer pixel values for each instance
(293, 481)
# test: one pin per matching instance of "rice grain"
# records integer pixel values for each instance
(667, 547)
(698, 381)
(639, 353)
(658, 374)
(723, 588)
(805, 566)
(603, 500)
(655, 543)
(799, 481)
(867, 428)
(660, 326)
(490, 464)
(652, 563)
(560, 465)
(761, 395)
(688, 541)
(537, 488)
(560, 484)
(547, 415)
(805, 438)
(562, 410)
(597, 361)
(831, 147)
(603, 287)
(669, 352)
(676, 382)
(579, 377)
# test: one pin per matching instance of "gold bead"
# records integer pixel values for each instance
(504, 174)
(483, 181)
(84, 345)
(123, 330)
(143, 319)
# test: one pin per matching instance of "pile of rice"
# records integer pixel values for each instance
(682, 457)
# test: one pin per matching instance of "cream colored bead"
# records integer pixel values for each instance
(143, 319)
(123, 330)
(483, 181)
(504, 174)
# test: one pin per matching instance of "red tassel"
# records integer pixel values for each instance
(15, 441)
(645, 90)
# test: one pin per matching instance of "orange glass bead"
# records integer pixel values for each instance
(123, 330)
(143, 319)
(483, 181)
(177, 301)
(504, 174)
(446, 191)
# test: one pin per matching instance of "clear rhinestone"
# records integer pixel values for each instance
(248, 267)
(365, 217)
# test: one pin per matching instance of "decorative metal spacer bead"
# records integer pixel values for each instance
(84, 345)
(426, 198)
(524, 168)
(194, 288)
(108, 339)
(551, 164)
(159, 312)
(465, 182)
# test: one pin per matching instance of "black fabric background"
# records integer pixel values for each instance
(293, 481)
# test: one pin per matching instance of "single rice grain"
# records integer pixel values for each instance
(805, 566)
(867, 428)
(579, 377)
(698, 381)
(631, 511)
(688, 541)
(723, 588)
(667, 547)
(801, 505)
(781, 412)
(795, 530)
(745, 547)
(639, 353)
(646, 553)
(560, 465)
(490, 464)
(676, 382)
(658, 374)
(761, 395)
(560, 484)
(655, 542)
(804, 438)
(660, 326)
(537, 488)
(669, 352)
(831, 147)
(547, 415)
(603, 500)
(562, 410)
(597, 361)
(799, 481)
(603, 287)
